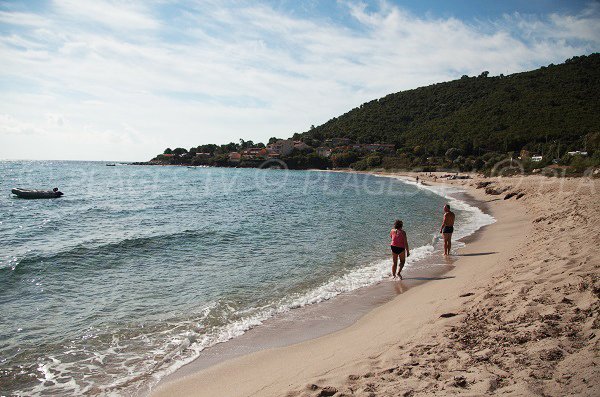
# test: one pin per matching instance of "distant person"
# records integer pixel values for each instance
(417, 179)
(447, 228)
(399, 246)
(57, 193)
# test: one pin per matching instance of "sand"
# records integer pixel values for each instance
(517, 316)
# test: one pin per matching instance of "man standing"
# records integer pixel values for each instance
(447, 228)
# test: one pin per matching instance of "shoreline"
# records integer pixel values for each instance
(279, 332)
(520, 316)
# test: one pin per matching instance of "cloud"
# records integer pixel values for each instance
(11, 126)
(22, 19)
(55, 119)
(157, 74)
(121, 15)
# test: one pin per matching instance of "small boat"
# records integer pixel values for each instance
(111, 165)
(37, 194)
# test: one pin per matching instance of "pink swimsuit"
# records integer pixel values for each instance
(398, 238)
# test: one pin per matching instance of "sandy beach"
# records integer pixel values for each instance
(518, 315)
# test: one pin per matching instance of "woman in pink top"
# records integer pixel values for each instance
(399, 247)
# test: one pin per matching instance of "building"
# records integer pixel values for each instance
(323, 151)
(203, 155)
(577, 153)
(300, 145)
(235, 157)
(283, 147)
(254, 153)
(536, 158)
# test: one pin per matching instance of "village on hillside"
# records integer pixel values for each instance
(248, 154)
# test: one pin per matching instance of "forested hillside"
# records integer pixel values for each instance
(550, 110)
(470, 124)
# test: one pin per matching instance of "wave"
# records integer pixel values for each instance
(74, 254)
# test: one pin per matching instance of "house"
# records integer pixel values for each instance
(235, 157)
(536, 158)
(282, 146)
(300, 145)
(577, 153)
(203, 155)
(254, 153)
(323, 151)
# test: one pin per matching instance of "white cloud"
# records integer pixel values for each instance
(22, 19)
(122, 15)
(132, 83)
(11, 126)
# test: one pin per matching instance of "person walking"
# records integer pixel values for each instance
(447, 228)
(399, 247)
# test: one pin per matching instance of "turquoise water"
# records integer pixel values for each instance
(138, 268)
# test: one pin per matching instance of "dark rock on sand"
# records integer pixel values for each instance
(492, 191)
(553, 354)
(328, 391)
(447, 315)
(460, 381)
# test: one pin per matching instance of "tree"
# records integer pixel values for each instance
(419, 150)
(344, 159)
(373, 160)
(273, 139)
(230, 147)
(453, 153)
(168, 151)
(179, 151)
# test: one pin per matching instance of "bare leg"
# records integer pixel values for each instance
(395, 264)
(402, 261)
(447, 243)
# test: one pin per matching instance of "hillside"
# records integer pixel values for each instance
(470, 124)
(537, 110)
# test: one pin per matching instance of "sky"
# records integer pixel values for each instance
(123, 80)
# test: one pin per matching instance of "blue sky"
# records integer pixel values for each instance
(121, 80)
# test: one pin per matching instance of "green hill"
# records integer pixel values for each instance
(468, 124)
(550, 110)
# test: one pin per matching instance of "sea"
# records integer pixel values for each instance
(138, 269)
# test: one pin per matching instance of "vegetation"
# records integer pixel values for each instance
(471, 123)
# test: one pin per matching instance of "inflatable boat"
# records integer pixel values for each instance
(36, 194)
